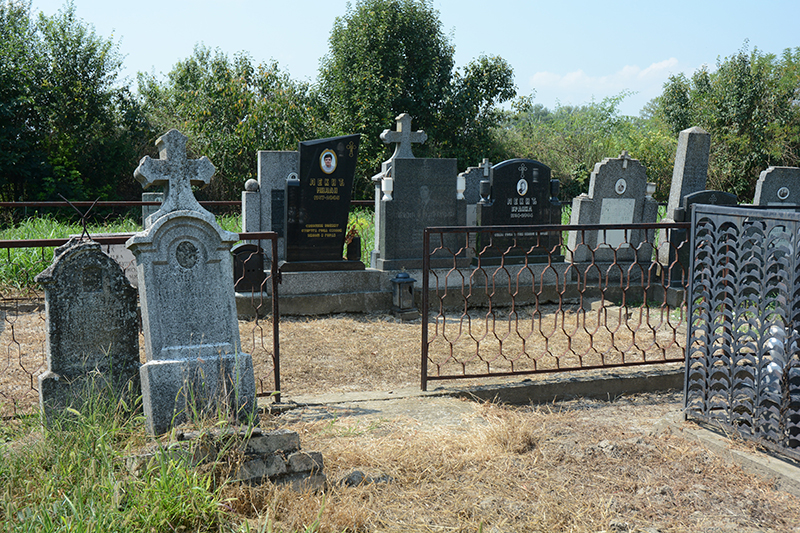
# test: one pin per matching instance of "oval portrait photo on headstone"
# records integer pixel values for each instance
(327, 161)
(522, 187)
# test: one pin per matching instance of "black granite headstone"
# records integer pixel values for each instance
(522, 194)
(317, 204)
(248, 268)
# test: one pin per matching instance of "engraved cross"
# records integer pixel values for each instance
(522, 169)
(403, 137)
(176, 171)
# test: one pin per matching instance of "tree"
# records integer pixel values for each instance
(388, 57)
(749, 106)
(571, 139)
(67, 127)
(230, 110)
(21, 71)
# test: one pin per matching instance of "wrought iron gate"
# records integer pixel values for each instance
(742, 367)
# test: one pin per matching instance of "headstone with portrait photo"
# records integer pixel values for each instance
(778, 186)
(317, 202)
(521, 194)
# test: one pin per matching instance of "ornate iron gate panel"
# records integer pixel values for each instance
(742, 367)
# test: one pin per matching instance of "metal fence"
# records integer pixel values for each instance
(22, 319)
(743, 346)
(517, 300)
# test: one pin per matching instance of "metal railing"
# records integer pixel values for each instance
(517, 300)
(743, 345)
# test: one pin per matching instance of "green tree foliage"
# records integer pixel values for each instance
(570, 140)
(389, 57)
(230, 109)
(67, 127)
(749, 106)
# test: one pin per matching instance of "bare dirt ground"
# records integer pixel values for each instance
(441, 464)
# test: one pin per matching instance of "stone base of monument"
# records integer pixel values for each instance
(57, 392)
(248, 456)
(176, 391)
(320, 266)
(322, 293)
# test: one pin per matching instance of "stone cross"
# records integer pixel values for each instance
(403, 137)
(176, 171)
(625, 156)
(485, 165)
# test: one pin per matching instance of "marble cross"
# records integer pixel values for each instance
(625, 156)
(403, 137)
(176, 171)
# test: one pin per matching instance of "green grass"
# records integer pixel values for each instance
(71, 475)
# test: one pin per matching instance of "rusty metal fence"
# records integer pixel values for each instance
(517, 300)
(22, 319)
(743, 356)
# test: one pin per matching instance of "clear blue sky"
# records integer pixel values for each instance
(563, 51)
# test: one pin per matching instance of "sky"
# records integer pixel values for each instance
(565, 52)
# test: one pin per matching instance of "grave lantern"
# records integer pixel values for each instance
(403, 293)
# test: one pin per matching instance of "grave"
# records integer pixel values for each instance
(194, 362)
(521, 194)
(317, 203)
(472, 178)
(688, 176)
(410, 195)
(618, 194)
(302, 292)
(778, 186)
(92, 328)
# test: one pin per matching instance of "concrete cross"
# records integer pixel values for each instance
(176, 171)
(403, 137)
(485, 166)
(625, 158)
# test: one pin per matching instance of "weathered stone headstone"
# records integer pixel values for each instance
(522, 194)
(317, 204)
(617, 195)
(92, 327)
(778, 186)
(423, 194)
(194, 361)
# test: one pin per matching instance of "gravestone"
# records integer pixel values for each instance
(778, 186)
(521, 194)
(248, 268)
(194, 361)
(618, 194)
(472, 183)
(92, 328)
(263, 200)
(317, 205)
(688, 176)
(423, 194)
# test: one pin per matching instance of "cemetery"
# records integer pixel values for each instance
(480, 275)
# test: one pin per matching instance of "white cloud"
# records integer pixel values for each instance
(578, 87)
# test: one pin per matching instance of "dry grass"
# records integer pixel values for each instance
(577, 467)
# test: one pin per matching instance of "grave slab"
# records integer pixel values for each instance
(194, 361)
(92, 327)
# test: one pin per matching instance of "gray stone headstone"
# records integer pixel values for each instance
(778, 186)
(194, 361)
(617, 195)
(92, 327)
(691, 166)
(472, 186)
(424, 195)
(263, 201)
(688, 176)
